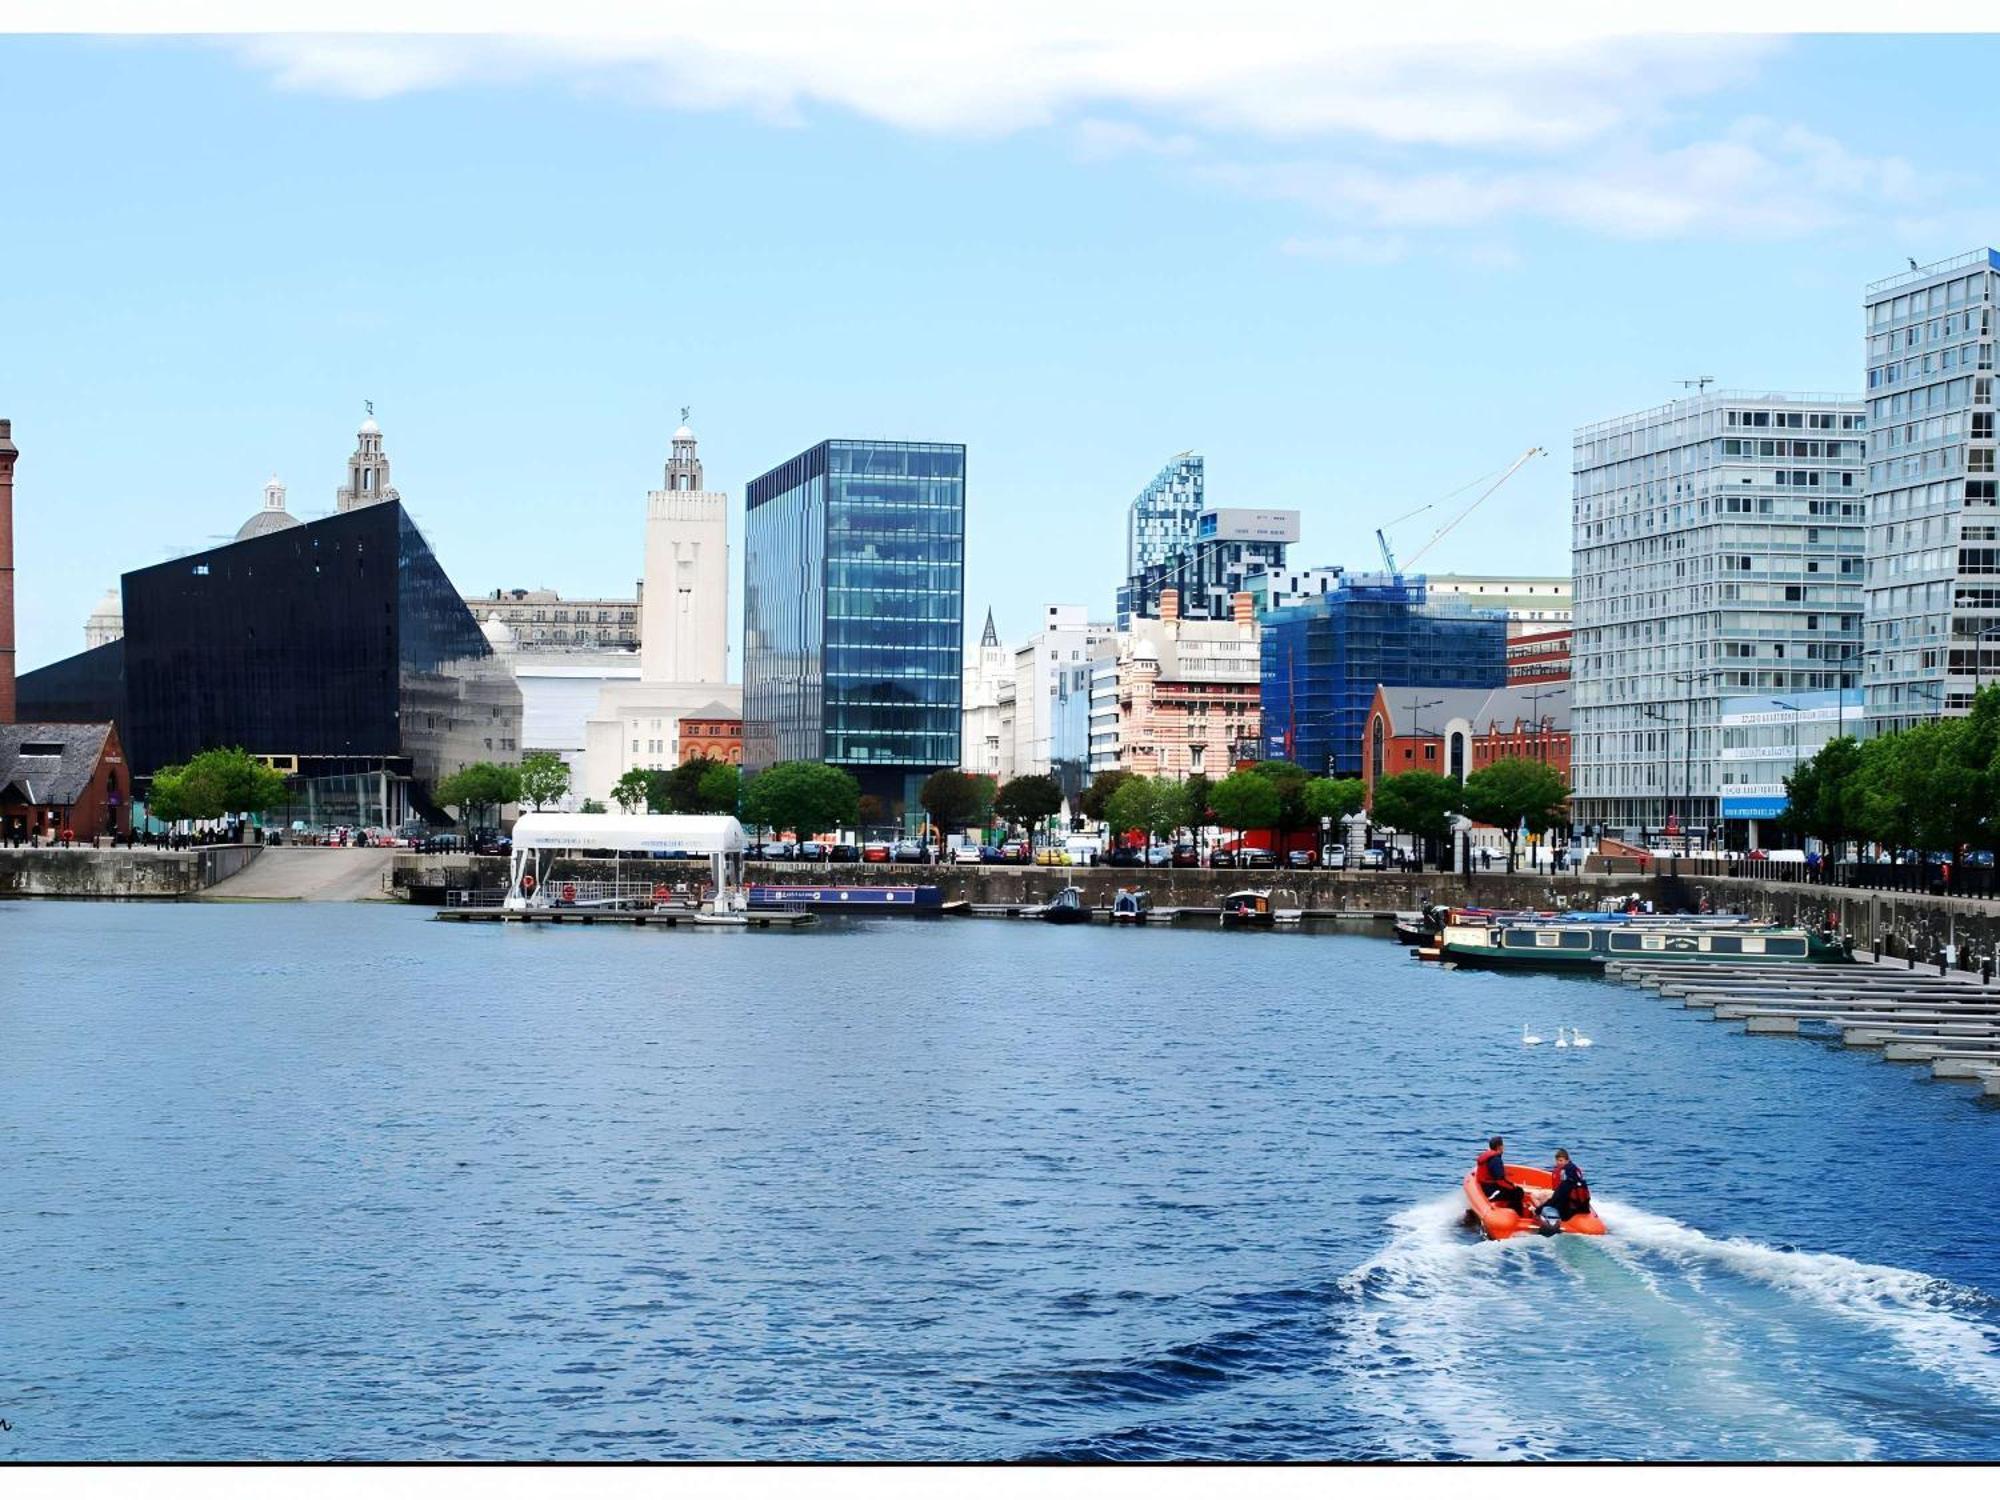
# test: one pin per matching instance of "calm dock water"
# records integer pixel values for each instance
(304, 1182)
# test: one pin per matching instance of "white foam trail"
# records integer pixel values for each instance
(1909, 1307)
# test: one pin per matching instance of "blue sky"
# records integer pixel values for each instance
(1353, 291)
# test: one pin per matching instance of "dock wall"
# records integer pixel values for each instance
(119, 874)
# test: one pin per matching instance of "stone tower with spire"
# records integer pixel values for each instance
(684, 609)
(367, 472)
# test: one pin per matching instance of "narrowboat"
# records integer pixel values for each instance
(1556, 943)
(1067, 908)
(1248, 909)
(1130, 908)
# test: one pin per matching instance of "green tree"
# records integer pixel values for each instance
(720, 789)
(593, 806)
(1195, 792)
(1246, 800)
(802, 797)
(1095, 803)
(1514, 791)
(1335, 797)
(1026, 800)
(1419, 803)
(174, 798)
(478, 788)
(1291, 783)
(956, 799)
(544, 778)
(236, 781)
(1150, 805)
(631, 791)
(1821, 795)
(1880, 812)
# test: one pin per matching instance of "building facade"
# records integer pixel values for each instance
(63, 783)
(1719, 551)
(1188, 693)
(684, 631)
(712, 733)
(1066, 640)
(1322, 659)
(1531, 605)
(1539, 656)
(540, 620)
(988, 675)
(1161, 522)
(1933, 546)
(1208, 572)
(853, 617)
(1102, 712)
(337, 650)
(1765, 739)
(1457, 731)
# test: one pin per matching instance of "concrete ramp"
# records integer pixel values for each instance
(308, 874)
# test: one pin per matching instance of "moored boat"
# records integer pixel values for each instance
(1248, 909)
(1591, 941)
(1067, 908)
(1130, 907)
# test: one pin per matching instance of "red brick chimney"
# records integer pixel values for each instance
(1170, 605)
(8, 452)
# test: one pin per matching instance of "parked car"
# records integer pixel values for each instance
(1252, 858)
(1052, 856)
(1186, 857)
(875, 852)
(1160, 855)
(808, 850)
(1126, 856)
(992, 854)
(492, 843)
(967, 854)
(909, 852)
(1014, 852)
(1299, 859)
(1333, 857)
(1374, 857)
(776, 849)
(1222, 859)
(843, 854)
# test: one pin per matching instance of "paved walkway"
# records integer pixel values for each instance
(308, 874)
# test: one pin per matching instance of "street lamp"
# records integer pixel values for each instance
(1654, 711)
(1687, 760)
(1535, 697)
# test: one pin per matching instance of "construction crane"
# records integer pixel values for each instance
(1444, 530)
(1382, 541)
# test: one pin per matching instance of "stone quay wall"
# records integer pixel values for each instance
(119, 874)
(1906, 924)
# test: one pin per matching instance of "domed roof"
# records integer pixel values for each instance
(110, 607)
(370, 427)
(499, 634)
(1145, 650)
(265, 522)
(684, 433)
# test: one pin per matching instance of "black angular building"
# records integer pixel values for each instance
(337, 649)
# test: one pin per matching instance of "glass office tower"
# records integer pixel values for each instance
(853, 613)
(1160, 525)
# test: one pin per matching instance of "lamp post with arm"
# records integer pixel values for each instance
(1535, 697)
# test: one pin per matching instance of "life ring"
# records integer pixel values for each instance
(569, 891)
(527, 885)
(661, 895)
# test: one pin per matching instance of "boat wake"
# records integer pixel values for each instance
(1659, 1340)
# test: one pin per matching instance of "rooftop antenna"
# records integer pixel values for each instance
(1699, 384)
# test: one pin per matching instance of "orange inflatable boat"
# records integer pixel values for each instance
(1500, 1222)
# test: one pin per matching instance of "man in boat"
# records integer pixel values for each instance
(1490, 1172)
(1571, 1194)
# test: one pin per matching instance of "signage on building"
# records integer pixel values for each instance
(1753, 807)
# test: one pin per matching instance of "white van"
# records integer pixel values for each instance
(1084, 850)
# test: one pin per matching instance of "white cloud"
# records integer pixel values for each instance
(1388, 139)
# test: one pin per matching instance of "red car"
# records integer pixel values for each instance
(875, 853)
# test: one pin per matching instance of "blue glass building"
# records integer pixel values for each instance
(1159, 526)
(1322, 659)
(853, 613)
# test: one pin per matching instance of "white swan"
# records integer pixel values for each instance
(1577, 1038)
(1526, 1040)
(1559, 1038)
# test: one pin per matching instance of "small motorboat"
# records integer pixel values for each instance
(1413, 930)
(1130, 908)
(1498, 1222)
(1067, 907)
(1248, 909)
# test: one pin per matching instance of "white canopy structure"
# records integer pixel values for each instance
(537, 834)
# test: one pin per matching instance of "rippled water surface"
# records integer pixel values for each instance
(340, 1181)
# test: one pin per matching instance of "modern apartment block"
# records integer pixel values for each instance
(1718, 553)
(1066, 640)
(1933, 584)
(1229, 547)
(853, 613)
(1161, 523)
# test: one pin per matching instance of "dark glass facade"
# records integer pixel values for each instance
(853, 612)
(338, 648)
(1322, 661)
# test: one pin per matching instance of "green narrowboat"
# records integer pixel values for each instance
(1579, 945)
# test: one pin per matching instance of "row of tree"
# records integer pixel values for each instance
(1508, 795)
(1932, 787)
(214, 784)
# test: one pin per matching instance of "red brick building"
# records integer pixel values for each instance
(1542, 656)
(1456, 731)
(713, 732)
(63, 782)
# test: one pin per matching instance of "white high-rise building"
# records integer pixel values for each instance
(683, 645)
(1067, 638)
(1933, 586)
(1718, 553)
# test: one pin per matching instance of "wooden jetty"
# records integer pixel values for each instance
(1950, 1021)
